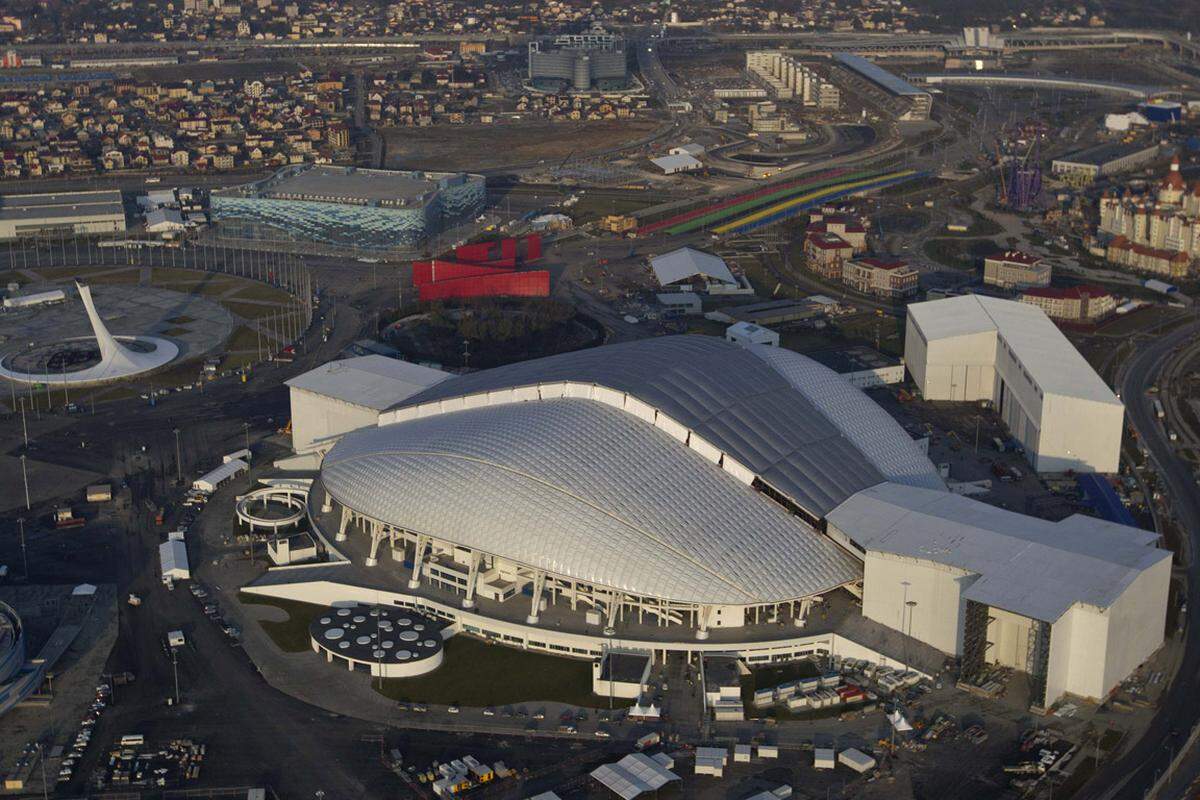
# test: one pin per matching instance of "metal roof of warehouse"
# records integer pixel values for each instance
(373, 381)
(796, 425)
(61, 204)
(1028, 566)
(1043, 351)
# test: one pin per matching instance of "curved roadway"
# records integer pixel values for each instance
(1131, 775)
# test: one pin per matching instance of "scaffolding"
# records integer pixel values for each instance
(1037, 661)
(975, 643)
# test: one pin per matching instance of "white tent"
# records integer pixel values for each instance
(210, 481)
(634, 774)
(687, 263)
(899, 722)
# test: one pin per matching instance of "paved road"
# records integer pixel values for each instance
(1130, 776)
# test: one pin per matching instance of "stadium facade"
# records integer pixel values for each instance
(685, 494)
(349, 207)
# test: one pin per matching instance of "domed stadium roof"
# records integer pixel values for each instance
(637, 467)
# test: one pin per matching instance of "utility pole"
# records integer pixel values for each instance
(175, 670)
(246, 431)
(25, 478)
(178, 459)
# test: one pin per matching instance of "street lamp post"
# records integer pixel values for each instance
(175, 670)
(24, 556)
(42, 758)
(25, 478)
(24, 427)
(246, 431)
(178, 459)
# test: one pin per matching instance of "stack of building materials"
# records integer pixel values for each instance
(711, 761)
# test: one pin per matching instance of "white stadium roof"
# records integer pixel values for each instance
(815, 444)
(374, 381)
(686, 263)
(873, 432)
(630, 466)
(584, 490)
(1026, 565)
(1053, 362)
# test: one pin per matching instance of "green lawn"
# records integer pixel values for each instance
(477, 674)
(290, 636)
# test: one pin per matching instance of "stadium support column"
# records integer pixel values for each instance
(802, 616)
(539, 583)
(418, 557)
(614, 605)
(702, 622)
(472, 580)
(345, 523)
(377, 534)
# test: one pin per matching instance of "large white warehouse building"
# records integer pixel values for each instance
(973, 348)
(348, 394)
(686, 494)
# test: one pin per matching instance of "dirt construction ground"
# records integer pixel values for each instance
(489, 146)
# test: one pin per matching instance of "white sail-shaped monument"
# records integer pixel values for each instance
(120, 356)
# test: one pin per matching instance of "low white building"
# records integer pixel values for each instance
(621, 673)
(35, 299)
(747, 333)
(680, 162)
(1076, 604)
(973, 348)
(345, 395)
(210, 481)
(164, 220)
(173, 560)
(295, 549)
